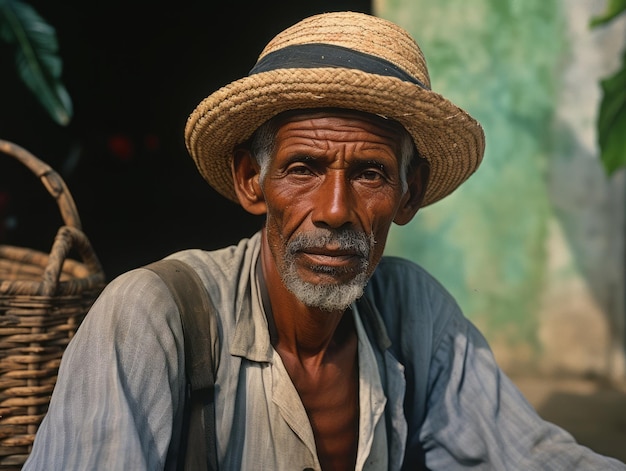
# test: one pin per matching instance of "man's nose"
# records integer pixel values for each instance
(336, 201)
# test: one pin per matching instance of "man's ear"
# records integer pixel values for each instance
(246, 174)
(417, 180)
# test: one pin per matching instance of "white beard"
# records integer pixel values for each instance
(328, 296)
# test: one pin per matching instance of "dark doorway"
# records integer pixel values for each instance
(134, 72)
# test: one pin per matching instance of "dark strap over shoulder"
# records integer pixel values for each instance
(200, 340)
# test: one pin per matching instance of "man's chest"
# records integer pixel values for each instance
(331, 401)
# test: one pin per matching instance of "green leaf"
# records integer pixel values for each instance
(612, 121)
(613, 9)
(36, 57)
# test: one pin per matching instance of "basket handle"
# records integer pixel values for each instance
(66, 239)
(49, 178)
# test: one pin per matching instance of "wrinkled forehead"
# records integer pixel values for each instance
(381, 122)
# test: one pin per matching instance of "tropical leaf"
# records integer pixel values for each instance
(612, 121)
(611, 124)
(613, 9)
(36, 57)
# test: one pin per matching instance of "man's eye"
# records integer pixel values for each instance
(299, 170)
(371, 175)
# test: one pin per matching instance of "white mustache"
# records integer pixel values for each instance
(345, 239)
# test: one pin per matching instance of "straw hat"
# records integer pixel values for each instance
(341, 60)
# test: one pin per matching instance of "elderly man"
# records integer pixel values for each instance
(328, 356)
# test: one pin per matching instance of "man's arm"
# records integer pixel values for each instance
(462, 411)
(117, 396)
(477, 418)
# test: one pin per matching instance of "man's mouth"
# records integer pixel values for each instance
(328, 253)
(331, 262)
(331, 258)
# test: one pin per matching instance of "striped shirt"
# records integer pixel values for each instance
(431, 395)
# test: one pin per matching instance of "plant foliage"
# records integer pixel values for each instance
(36, 57)
(612, 113)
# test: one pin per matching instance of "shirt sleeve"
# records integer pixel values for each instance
(117, 396)
(477, 419)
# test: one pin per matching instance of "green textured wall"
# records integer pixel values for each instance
(486, 243)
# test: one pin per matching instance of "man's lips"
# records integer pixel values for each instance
(330, 257)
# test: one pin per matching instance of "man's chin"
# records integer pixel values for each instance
(325, 296)
(328, 277)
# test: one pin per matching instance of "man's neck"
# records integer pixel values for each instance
(295, 327)
(320, 352)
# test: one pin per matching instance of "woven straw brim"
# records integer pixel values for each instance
(451, 140)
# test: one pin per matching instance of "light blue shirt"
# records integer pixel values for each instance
(429, 388)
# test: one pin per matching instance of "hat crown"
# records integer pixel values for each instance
(343, 60)
(360, 32)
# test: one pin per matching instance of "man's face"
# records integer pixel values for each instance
(332, 190)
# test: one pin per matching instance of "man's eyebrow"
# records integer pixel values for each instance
(371, 162)
(374, 163)
(301, 157)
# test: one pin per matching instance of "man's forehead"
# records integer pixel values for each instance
(300, 115)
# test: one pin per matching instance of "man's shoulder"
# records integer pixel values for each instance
(216, 268)
(225, 263)
(411, 301)
(402, 274)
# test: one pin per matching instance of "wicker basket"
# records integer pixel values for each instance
(43, 299)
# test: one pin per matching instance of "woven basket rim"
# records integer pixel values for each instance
(78, 277)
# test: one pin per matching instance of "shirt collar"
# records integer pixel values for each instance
(252, 339)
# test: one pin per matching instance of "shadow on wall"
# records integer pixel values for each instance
(597, 420)
(589, 206)
(592, 411)
(583, 323)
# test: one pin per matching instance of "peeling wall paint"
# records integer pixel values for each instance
(510, 64)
